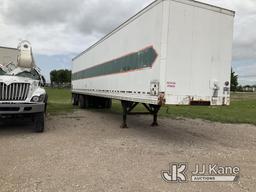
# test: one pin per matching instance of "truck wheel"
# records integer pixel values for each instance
(46, 103)
(74, 99)
(39, 123)
(81, 102)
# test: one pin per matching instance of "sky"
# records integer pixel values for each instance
(60, 29)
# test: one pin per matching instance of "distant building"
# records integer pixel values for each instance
(8, 55)
(249, 88)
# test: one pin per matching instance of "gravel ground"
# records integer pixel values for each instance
(87, 151)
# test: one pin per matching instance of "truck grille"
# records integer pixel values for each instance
(14, 91)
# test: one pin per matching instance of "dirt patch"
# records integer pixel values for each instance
(87, 151)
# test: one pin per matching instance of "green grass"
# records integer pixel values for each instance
(241, 110)
(59, 101)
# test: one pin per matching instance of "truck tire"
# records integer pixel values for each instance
(81, 102)
(46, 103)
(74, 99)
(39, 122)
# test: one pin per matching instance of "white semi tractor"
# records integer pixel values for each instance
(174, 52)
(21, 85)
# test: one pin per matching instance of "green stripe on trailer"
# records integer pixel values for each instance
(134, 61)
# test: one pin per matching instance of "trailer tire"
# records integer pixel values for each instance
(108, 103)
(94, 102)
(81, 102)
(86, 101)
(74, 99)
(39, 122)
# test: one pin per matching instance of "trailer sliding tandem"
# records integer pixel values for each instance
(175, 52)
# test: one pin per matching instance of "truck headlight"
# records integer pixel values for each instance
(38, 98)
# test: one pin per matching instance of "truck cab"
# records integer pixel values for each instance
(21, 86)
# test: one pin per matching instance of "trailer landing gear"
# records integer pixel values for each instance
(128, 106)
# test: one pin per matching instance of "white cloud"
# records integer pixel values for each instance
(247, 70)
(23, 12)
(62, 26)
(66, 27)
(70, 24)
(244, 46)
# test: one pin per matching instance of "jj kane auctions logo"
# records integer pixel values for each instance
(201, 173)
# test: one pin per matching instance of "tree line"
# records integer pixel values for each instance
(59, 77)
(234, 81)
(239, 88)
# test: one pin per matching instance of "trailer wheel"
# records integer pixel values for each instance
(74, 99)
(108, 103)
(94, 102)
(81, 102)
(99, 102)
(86, 101)
(39, 122)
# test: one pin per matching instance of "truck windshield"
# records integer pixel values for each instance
(2, 72)
(32, 74)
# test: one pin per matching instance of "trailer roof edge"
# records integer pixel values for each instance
(151, 5)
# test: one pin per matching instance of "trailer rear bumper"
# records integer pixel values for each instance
(21, 108)
(197, 100)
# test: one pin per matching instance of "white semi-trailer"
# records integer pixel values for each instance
(21, 85)
(175, 52)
